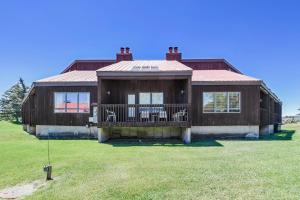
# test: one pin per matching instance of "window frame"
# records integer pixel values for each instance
(65, 111)
(151, 100)
(228, 104)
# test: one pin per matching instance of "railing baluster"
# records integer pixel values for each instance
(145, 114)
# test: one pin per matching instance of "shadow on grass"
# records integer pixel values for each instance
(282, 135)
(161, 142)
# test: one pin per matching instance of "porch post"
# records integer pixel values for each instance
(99, 101)
(189, 91)
(186, 135)
(102, 135)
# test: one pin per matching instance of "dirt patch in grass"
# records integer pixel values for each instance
(20, 191)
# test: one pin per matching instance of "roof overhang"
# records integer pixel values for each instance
(30, 92)
(143, 73)
(267, 90)
(226, 82)
(66, 83)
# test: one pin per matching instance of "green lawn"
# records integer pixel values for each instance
(84, 169)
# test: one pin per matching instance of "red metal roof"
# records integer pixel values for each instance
(146, 65)
(70, 78)
(221, 77)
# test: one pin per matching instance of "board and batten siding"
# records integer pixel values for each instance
(250, 107)
(119, 89)
(45, 106)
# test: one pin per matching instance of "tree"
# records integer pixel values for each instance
(11, 101)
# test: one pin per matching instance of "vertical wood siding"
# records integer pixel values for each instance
(249, 114)
(270, 110)
(45, 106)
(119, 89)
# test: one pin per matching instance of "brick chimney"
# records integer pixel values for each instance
(173, 54)
(127, 55)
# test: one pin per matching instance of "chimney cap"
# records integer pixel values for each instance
(176, 49)
(127, 49)
(170, 49)
(122, 50)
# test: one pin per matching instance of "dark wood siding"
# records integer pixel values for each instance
(28, 111)
(38, 108)
(270, 110)
(45, 106)
(119, 89)
(249, 114)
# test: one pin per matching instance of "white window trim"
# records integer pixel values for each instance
(65, 99)
(240, 105)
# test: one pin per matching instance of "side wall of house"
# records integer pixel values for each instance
(226, 124)
(28, 110)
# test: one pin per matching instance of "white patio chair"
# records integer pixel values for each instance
(111, 115)
(144, 115)
(179, 115)
(162, 115)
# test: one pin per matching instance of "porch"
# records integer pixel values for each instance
(154, 96)
(144, 103)
(144, 115)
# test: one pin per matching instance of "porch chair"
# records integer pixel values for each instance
(179, 115)
(111, 114)
(144, 115)
(162, 115)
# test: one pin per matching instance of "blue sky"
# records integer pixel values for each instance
(261, 38)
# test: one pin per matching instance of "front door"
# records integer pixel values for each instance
(95, 114)
(131, 105)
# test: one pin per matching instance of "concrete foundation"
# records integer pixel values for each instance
(30, 129)
(103, 135)
(66, 132)
(266, 129)
(225, 131)
(186, 135)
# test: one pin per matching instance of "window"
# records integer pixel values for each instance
(59, 102)
(234, 102)
(151, 98)
(145, 98)
(71, 102)
(221, 102)
(157, 98)
(131, 101)
(208, 102)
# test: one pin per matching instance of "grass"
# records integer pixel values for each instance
(224, 169)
